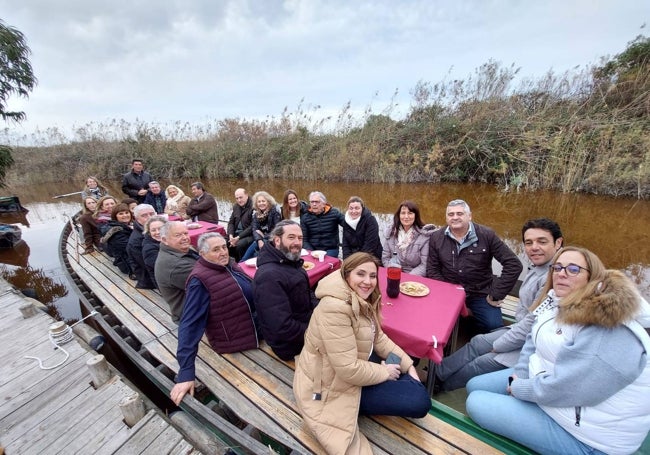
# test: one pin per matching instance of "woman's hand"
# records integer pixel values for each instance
(393, 371)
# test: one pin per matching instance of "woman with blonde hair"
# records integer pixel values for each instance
(582, 380)
(177, 202)
(336, 377)
(93, 188)
(266, 215)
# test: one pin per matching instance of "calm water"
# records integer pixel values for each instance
(615, 229)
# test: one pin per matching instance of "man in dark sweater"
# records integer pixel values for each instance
(174, 263)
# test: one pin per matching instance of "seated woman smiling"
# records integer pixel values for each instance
(337, 377)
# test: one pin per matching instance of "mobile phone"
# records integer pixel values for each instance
(393, 359)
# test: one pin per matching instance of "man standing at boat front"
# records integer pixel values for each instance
(135, 183)
(174, 264)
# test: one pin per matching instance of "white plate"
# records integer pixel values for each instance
(304, 252)
(318, 253)
(252, 262)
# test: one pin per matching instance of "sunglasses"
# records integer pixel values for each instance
(571, 269)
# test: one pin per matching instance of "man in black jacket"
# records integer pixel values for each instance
(281, 291)
(240, 230)
(141, 214)
(135, 183)
(462, 254)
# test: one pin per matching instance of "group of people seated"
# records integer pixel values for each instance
(569, 376)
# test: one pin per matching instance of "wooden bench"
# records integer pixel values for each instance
(255, 384)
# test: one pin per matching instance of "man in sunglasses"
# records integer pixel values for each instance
(500, 348)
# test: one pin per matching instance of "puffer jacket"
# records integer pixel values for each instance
(338, 343)
(586, 365)
(414, 258)
(321, 231)
(364, 238)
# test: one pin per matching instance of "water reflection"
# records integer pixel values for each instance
(615, 229)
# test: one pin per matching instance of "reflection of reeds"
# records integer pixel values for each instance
(585, 130)
(45, 287)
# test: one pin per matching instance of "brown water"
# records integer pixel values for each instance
(615, 229)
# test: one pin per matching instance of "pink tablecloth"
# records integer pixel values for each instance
(205, 227)
(412, 322)
(320, 269)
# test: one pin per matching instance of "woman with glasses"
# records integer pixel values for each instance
(582, 380)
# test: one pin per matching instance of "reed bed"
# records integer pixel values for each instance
(587, 130)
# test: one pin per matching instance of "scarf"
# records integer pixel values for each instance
(352, 223)
(174, 201)
(404, 239)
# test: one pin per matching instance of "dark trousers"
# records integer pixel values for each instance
(405, 397)
(486, 317)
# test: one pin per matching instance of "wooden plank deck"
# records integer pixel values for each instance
(59, 410)
(254, 384)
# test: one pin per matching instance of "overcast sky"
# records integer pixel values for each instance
(162, 61)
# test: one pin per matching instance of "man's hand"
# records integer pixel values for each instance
(495, 303)
(142, 192)
(180, 390)
(233, 240)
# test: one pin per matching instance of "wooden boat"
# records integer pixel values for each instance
(138, 322)
(10, 235)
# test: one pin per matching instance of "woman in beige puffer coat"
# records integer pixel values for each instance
(335, 381)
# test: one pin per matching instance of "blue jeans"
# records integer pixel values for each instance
(486, 316)
(489, 405)
(405, 397)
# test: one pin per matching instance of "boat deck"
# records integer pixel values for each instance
(59, 410)
(254, 384)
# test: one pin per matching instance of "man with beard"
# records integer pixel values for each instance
(281, 291)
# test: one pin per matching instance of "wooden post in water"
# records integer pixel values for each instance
(99, 370)
(132, 408)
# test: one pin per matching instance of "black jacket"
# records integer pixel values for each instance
(364, 238)
(150, 248)
(321, 232)
(244, 216)
(132, 183)
(283, 301)
(115, 241)
(134, 249)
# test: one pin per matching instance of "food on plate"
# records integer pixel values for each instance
(308, 265)
(413, 289)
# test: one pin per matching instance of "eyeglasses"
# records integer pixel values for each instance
(571, 269)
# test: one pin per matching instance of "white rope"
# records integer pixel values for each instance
(59, 333)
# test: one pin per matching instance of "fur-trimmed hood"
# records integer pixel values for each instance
(614, 301)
